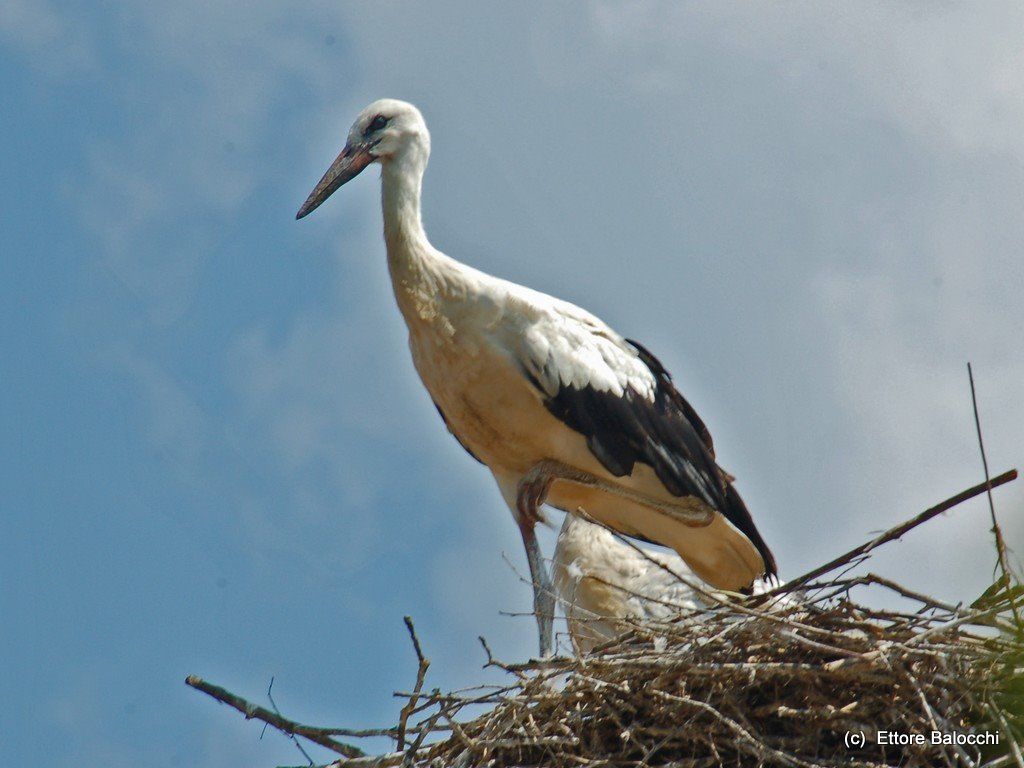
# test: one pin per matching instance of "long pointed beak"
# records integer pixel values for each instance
(345, 167)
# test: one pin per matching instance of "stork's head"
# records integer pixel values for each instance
(388, 131)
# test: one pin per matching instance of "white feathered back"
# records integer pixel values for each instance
(603, 583)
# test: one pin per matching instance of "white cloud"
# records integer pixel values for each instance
(948, 73)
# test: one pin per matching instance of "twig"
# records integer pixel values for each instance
(1014, 747)
(760, 749)
(997, 532)
(283, 724)
(926, 600)
(277, 712)
(428, 728)
(369, 761)
(421, 673)
(895, 532)
(511, 669)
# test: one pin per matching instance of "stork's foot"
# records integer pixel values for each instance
(533, 492)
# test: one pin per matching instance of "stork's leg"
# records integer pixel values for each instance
(543, 594)
(530, 495)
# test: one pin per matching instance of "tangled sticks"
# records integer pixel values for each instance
(804, 676)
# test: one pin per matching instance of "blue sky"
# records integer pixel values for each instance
(216, 458)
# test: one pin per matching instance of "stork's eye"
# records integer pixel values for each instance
(376, 124)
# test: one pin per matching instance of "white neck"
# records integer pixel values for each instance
(419, 272)
(401, 185)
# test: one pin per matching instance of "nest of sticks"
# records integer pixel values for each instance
(802, 676)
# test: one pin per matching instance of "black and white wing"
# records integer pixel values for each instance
(622, 400)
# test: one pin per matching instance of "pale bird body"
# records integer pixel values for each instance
(555, 403)
(605, 586)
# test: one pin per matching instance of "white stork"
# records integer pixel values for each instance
(604, 585)
(556, 404)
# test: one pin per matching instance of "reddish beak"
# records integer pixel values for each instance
(346, 166)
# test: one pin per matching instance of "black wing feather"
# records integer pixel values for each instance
(666, 434)
(624, 429)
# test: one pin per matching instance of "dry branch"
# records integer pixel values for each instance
(898, 531)
(252, 711)
(997, 532)
(421, 673)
